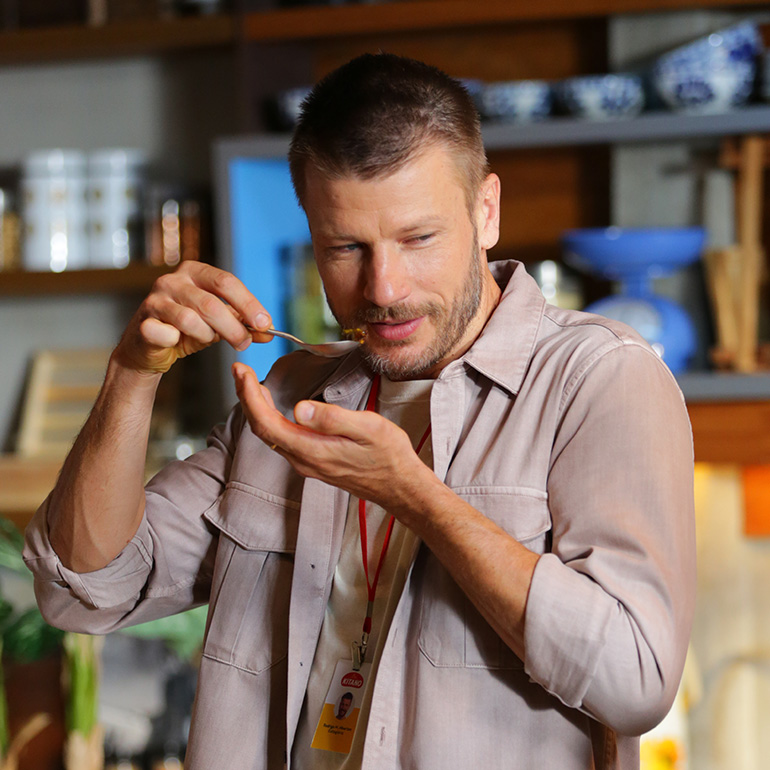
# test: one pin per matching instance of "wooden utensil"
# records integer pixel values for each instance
(750, 190)
(720, 271)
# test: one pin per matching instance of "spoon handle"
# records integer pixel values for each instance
(325, 349)
(285, 335)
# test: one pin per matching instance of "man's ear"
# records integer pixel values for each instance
(488, 212)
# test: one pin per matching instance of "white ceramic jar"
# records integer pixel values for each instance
(53, 188)
(115, 183)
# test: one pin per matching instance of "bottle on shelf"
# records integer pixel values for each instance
(9, 232)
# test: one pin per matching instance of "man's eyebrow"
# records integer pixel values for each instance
(333, 236)
(423, 224)
(429, 223)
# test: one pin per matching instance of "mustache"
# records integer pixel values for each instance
(396, 313)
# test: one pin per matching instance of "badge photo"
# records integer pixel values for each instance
(341, 708)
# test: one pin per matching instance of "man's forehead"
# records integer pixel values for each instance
(441, 159)
(415, 195)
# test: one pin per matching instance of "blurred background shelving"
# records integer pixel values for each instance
(117, 39)
(210, 76)
(136, 278)
(191, 91)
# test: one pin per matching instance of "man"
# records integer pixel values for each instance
(346, 701)
(529, 607)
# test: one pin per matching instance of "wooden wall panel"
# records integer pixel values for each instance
(545, 192)
(515, 51)
(735, 432)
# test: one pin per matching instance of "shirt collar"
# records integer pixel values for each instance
(501, 352)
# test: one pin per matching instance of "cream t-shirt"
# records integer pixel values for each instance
(407, 404)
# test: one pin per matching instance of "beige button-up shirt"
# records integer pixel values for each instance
(563, 428)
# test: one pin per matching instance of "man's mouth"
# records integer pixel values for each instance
(395, 330)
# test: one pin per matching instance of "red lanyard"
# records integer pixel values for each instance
(359, 652)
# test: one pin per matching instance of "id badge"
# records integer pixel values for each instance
(342, 705)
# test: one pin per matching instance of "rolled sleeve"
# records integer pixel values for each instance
(120, 581)
(167, 565)
(562, 599)
(610, 609)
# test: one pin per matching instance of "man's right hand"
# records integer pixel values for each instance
(186, 311)
(98, 502)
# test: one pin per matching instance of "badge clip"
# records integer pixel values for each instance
(359, 651)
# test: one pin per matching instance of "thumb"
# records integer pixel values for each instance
(334, 420)
(304, 413)
(328, 419)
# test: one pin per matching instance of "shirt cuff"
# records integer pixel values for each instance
(565, 629)
(121, 580)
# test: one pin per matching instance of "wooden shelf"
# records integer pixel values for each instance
(654, 126)
(557, 132)
(713, 387)
(125, 38)
(157, 36)
(317, 22)
(133, 279)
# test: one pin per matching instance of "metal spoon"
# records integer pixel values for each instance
(325, 349)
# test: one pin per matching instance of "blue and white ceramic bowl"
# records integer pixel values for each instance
(602, 97)
(739, 43)
(713, 74)
(519, 101)
(699, 89)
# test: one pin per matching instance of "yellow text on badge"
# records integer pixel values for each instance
(334, 734)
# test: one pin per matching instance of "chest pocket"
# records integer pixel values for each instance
(453, 633)
(249, 609)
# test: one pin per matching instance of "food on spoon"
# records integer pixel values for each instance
(359, 335)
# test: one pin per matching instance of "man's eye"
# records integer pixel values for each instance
(421, 238)
(346, 248)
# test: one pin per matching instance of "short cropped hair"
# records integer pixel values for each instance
(374, 114)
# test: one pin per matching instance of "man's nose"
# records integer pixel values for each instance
(387, 277)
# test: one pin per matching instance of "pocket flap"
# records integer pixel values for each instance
(256, 520)
(522, 512)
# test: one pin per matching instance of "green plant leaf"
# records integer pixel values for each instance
(183, 633)
(28, 637)
(11, 547)
(10, 533)
(6, 613)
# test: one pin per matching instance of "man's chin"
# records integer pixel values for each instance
(398, 363)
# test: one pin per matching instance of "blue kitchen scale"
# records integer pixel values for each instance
(634, 258)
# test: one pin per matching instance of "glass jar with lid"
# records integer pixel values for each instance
(115, 184)
(53, 192)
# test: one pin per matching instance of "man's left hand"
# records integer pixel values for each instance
(360, 452)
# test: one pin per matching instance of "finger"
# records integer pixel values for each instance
(208, 317)
(162, 335)
(292, 441)
(256, 335)
(185, 319)
(266, 422)
(233, 291)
